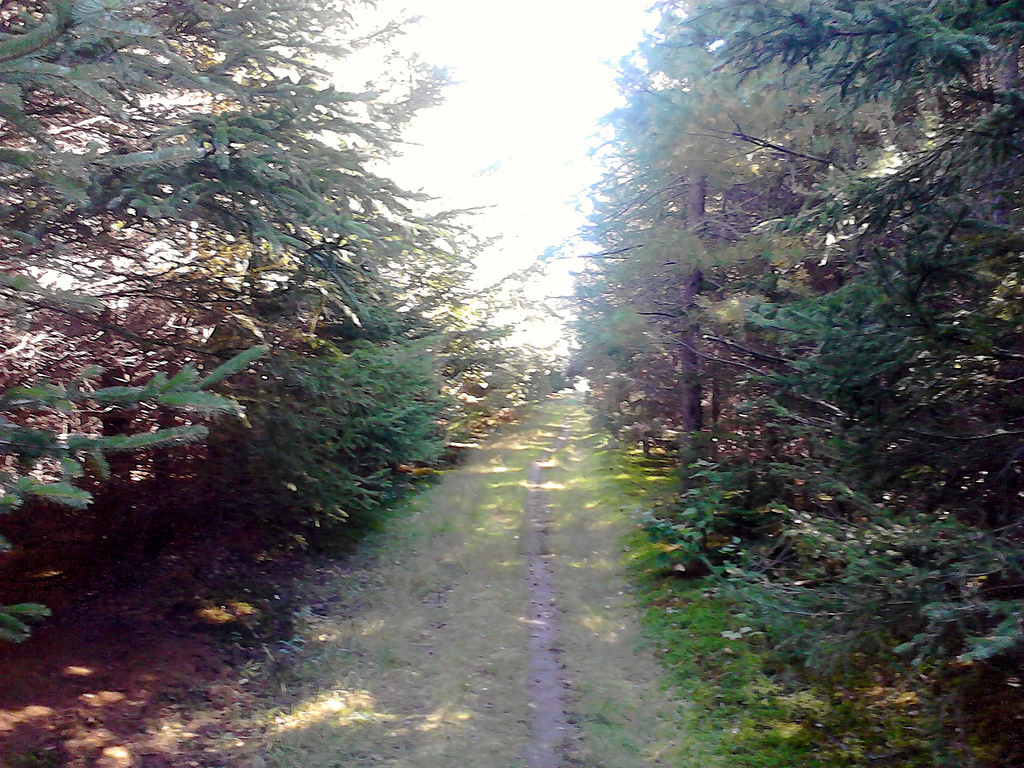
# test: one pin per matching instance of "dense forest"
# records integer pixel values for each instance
(801, 296)
(213, 306)
(805, 280)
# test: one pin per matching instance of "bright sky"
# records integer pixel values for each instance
(533, 79)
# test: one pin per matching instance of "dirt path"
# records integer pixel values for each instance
(490, 627)
(546, 685)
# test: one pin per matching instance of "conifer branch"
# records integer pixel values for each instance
(48, 31)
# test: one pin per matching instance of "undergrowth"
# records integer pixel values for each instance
(757, 707)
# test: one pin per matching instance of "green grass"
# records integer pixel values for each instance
(421, 660)
(416, 652)
(625, 717)
(412, 650)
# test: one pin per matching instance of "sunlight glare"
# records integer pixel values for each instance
(511, 140)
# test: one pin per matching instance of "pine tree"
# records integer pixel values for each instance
(856, 325)
(185, 185)
(182, 183)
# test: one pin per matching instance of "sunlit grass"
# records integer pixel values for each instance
(626, 720)
(427, 632)
(340, 708)
(421, 660)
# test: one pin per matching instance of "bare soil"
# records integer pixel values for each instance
(143, 669)
(550, 731)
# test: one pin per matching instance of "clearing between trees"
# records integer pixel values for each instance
(499, 597)
(489, 624)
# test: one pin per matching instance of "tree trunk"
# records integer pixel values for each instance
(692, 391)
(716, 408)
(692, 413)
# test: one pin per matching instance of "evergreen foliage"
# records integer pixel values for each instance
(365, 412)
(185, 186)
(811, 226)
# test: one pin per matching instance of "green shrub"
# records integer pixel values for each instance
(330, 430)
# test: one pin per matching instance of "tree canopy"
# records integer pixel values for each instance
(206, 281)
(806, 281)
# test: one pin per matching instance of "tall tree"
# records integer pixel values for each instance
(859, 258)
(183, 182)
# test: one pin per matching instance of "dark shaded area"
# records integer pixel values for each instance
(159, 602)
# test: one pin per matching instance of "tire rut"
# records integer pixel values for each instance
(550, 730)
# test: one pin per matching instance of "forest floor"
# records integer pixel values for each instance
(488, 625)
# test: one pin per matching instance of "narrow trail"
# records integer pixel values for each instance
(489, 626)
(546, 686)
